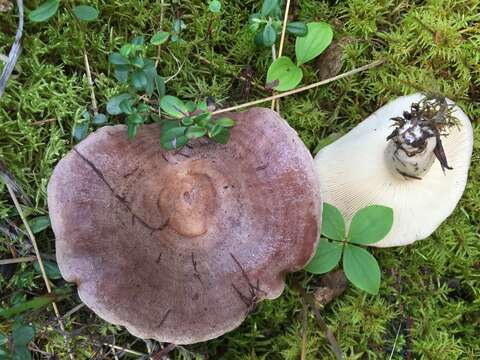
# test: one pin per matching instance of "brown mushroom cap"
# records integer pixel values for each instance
(179, 246)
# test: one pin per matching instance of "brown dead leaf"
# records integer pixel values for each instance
(330, 62)
(332, 285)
(6, 5)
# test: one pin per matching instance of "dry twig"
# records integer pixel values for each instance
(304, 88)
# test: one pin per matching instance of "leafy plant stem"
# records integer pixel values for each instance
(40, 263)
(301, 89)
(309, 300)
(282, 42)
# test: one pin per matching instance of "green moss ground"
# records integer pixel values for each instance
(430, 290)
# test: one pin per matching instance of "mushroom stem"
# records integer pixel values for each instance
(415, 142)
(407, 161)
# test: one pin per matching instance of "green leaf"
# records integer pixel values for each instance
(215, 130)
(225, 122)
(173, 138)
(127, 49)
(85, 12)
(187, 121)
(138, 40)
(361, 269)
(159, 38)
(173, 106)
(139, 80)
(51, 268)
(318, 38)
(269, 35)
(80, 130)
(370, 224)
(283, 74)
(113, 105)
(21, 353)
(121, 75)
(215, 6)
(191, 106)
(326, 257)
(22, 334)
(126, 106)
(39, 224)
(268, 7)
(132, 130)
(196, 131)
(138, 62)
(45, 11)
(297, 28)
(100, 119)
(222, 137)
(151, 73)
(116, 58)
(333, 224)
(160, 85)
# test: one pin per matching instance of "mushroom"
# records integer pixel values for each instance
(412, 155)
(180, 246)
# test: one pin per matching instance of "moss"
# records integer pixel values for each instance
(430, 294)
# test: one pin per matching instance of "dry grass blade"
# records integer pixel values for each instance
(282, 42)
(40, 261)
(14, 51)
(90, 84)
(301, 89)
(18, 260)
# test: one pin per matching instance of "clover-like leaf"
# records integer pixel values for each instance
(333, 224)
(370, 224)
(326, 257)
(361, 269)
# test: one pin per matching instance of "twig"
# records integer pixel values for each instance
(310, 301)
(90, 84)
(128, 351)
(40, 263)
(282, 41)
(18, 260)
(73, 310)
(180, 66)
(395, 343)
(42, 122)
(301, 89)
(14, 51)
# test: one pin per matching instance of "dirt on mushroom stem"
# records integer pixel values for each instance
(416, 142)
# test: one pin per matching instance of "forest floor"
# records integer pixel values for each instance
(429, 302)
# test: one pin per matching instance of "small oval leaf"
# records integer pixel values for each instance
(370, 224)
(85, 12)
(39, 224)
(113, 105)
(297, 28)
(269, 35)
(327, 256)
(283, 74)
(45, 11)
(361, 269)
(319, 36)
(159, 38)
(173, 106)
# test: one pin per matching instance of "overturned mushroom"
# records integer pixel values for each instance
(412, 154)
(180, 247)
